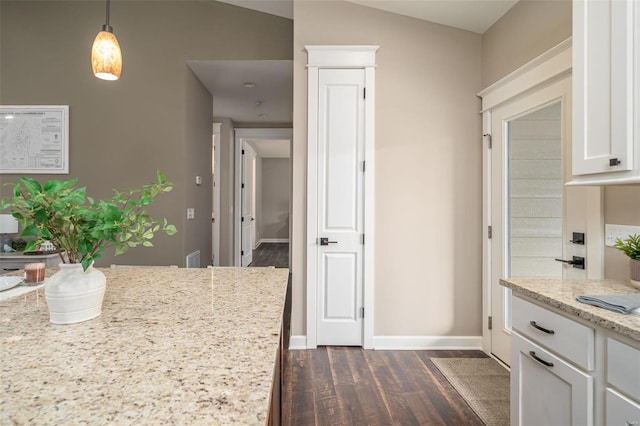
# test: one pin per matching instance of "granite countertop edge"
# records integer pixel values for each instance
(561, 294)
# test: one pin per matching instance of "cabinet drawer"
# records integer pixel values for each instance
(566, 337)
(623, 368)
(621, 411)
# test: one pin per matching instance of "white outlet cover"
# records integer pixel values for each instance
(612, 232)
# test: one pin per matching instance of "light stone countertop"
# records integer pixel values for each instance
(172, 346)
(561, 294)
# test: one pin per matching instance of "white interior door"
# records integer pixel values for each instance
(532, 213)
(340, 206)
(248, 203)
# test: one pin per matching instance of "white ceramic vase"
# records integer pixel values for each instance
(74, 295)
(634, 269)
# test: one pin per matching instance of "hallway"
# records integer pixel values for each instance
(271, 254)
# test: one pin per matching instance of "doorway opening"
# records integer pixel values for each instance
(263, 197)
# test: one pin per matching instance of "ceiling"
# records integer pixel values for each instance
(271, 99)
(471, 15)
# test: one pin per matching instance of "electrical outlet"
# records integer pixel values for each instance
(191, 213)
(613, 232)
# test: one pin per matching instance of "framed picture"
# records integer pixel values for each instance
(34, 139)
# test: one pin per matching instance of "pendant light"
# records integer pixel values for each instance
(106, 58)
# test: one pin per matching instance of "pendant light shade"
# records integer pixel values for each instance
(106, 57)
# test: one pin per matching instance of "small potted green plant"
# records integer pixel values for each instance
(631, 247)
(81, 228)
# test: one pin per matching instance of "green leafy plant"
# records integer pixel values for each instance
(78, 226)
(630, 246)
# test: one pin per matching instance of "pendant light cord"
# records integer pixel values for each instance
(106, 27)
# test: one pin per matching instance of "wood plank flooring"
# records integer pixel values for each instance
(271, 254)
(350, 386)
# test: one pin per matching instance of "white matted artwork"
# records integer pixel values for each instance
(34, 139)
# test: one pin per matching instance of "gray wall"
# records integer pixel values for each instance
(428, 184)
(121, 132)
(274, 191)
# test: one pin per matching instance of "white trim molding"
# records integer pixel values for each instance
(427, 342)
(341, 56)
(355, 57)
(297, 343)
(550, 66)
(272, 240)
(242, 135)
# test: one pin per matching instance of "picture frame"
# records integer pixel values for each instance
(34, 139)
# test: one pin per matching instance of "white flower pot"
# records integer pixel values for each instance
(74, 295)
(634, 272)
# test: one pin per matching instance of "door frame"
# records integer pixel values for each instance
(215, 241)
(358, 57)
(242, 135)
(550, 67)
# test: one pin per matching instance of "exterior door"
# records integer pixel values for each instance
(532, 213)
(340, 206)
(248, 203)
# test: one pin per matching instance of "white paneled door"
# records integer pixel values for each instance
(248, 203)
(340, 206)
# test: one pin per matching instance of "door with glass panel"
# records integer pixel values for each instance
(532, 213)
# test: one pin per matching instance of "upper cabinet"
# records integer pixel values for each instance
(606, 92)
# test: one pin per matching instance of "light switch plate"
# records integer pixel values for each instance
(612, 232)
(191, 213)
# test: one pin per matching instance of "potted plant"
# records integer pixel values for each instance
(631, 247)
(80, 229)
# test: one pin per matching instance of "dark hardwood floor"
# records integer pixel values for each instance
(350, 386)
(271, 254)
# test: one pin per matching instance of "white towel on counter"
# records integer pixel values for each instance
(620, 303)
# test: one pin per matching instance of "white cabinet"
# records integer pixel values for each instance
(566, 371)
(606, 91)
(548, 384)
(623, 384)
(621, 411)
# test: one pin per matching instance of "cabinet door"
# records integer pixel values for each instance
(621, 410)
(603, 85)
(546, 390)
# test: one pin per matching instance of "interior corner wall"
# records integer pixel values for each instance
(122, 132)
(528, 29)
(428, 181)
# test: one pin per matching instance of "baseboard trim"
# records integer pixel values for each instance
(297, 343)
(427, 342)
(273, 240)
(409, 343)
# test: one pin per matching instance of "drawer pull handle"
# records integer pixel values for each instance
(537, 327)
(10, 269)
(540, 360)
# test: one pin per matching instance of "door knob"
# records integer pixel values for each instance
(325, 241)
